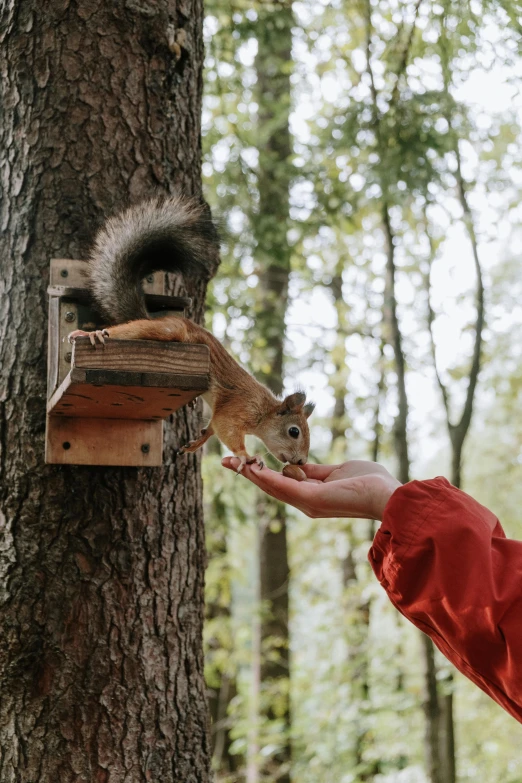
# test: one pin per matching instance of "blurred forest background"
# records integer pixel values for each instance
(366, 160)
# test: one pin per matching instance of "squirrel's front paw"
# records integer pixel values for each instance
(246, 460)
(99, 334)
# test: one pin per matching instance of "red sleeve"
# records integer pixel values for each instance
(447, 566)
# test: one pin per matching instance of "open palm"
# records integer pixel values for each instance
(356, 488)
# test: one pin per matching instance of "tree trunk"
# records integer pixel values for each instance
(101, 569)
(432, 744)
(457, 432)
(447, 734)
(391, 322)
(339, 380)
(273, 68)
(221, 674)
(431, 711)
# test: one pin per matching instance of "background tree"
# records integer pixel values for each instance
(349, 717)
(102, 568)
(272, 255)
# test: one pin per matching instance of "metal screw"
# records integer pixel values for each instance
(64, 273)
(145, 448)
(69, 316)
(68, 357)
(66, 445)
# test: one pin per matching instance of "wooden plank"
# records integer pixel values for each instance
(53, 344)
(79, 397)
(68, 271)
(74, 441)
(95, 377)
(67, 311)
(105, 408)
(73, 273)
(143, 356)
(157, 305)
(154, 284)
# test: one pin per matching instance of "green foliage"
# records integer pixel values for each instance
(370, 134)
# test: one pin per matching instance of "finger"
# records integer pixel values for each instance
(301, 494)
(232, 463)
(319, 472)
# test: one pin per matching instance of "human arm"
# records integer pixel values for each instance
(442, 558)
(447, 566)
(357, 488)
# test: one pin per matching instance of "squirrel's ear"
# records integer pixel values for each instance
(292, 403)
(309, 409)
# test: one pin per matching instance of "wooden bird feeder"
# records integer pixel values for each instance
(106, 404)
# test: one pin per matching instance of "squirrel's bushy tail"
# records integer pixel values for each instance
(174, 234)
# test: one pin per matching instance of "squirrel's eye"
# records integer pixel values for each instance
(294, 432)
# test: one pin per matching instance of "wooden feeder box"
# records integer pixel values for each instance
(106, 404)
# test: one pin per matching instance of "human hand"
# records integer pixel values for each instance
(354, 489)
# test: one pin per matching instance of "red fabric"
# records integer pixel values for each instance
(447, 565)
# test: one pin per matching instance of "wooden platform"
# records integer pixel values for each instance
(106, 403)
(107, 410)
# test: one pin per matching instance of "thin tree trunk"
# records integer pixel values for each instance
(101, 569)
(358, 654)
(431, 711)
(252, 771)
(432, 723)
(273, 91)
(340, 377)
(394, 337)
(457, 431)
(432, 743)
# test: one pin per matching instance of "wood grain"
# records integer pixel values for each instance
(134, 383)
(75, 441)
(72, 273)
(79, 397)
(142, 356)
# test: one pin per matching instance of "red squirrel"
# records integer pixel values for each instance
(176, 234)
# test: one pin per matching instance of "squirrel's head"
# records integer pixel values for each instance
(285, 430)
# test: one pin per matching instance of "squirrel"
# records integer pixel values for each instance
(176, 234)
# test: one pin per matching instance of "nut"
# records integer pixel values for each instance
(294, 472)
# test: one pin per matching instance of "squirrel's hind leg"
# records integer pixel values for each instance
(194, 445)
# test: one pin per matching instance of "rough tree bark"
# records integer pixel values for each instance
(101, 569)
(221, 675)
(273, 91)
